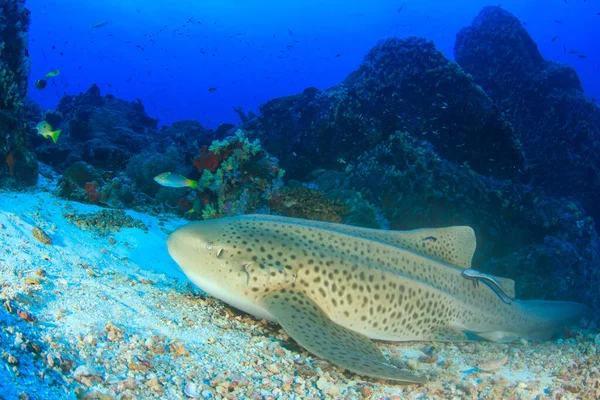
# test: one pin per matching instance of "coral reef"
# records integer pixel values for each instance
(557, 125)
(403, 84)
(237, 177)
(18, 163)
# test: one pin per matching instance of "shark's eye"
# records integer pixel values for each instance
(209, 246)
(219, 253)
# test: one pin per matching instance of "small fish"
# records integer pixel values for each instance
(400, 9)
(45, 129)
(41, 84)
(572, 51)
(100, 24)
(52, 73)
(290, 32)
(173, 180)
(582, 56)
(338, 54)
(554, 39)
(491, 281)
(212, 89)
(341, 160)
(557, 21)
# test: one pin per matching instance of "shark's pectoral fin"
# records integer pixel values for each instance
(306, 323)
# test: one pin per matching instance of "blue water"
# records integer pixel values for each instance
(169, 53)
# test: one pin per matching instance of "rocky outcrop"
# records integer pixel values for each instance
(19, 166)
(402, 85)
(558, 126)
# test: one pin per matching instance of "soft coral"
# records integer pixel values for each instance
(207, 160)
(91, 191)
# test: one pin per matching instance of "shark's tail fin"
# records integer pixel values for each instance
(554, 315)
(541, 320)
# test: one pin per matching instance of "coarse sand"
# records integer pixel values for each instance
(103, 312)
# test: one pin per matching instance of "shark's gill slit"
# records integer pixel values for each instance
(245, 267)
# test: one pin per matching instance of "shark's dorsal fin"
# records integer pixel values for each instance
(453, 245)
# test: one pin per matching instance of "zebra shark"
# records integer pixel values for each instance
(335, 288)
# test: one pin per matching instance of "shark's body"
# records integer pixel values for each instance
(334, 287)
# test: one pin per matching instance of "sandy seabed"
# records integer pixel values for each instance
(103, 314)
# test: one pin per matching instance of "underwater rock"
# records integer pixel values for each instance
(402, 84)
(188, 137)
(329, 186)
(83, 183)
(81, 173)
(143, 167)
(80, 182)
(18, 162)
(302, 202)
(559, 127)
(107, 132)
(499, 53)
(103, 131)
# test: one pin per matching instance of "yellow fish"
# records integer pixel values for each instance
(170, 179)
(52, 73)
(45, 129)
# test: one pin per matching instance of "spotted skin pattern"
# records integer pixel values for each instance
(383, 285)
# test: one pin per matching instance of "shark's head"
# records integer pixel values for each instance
(214, 255)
